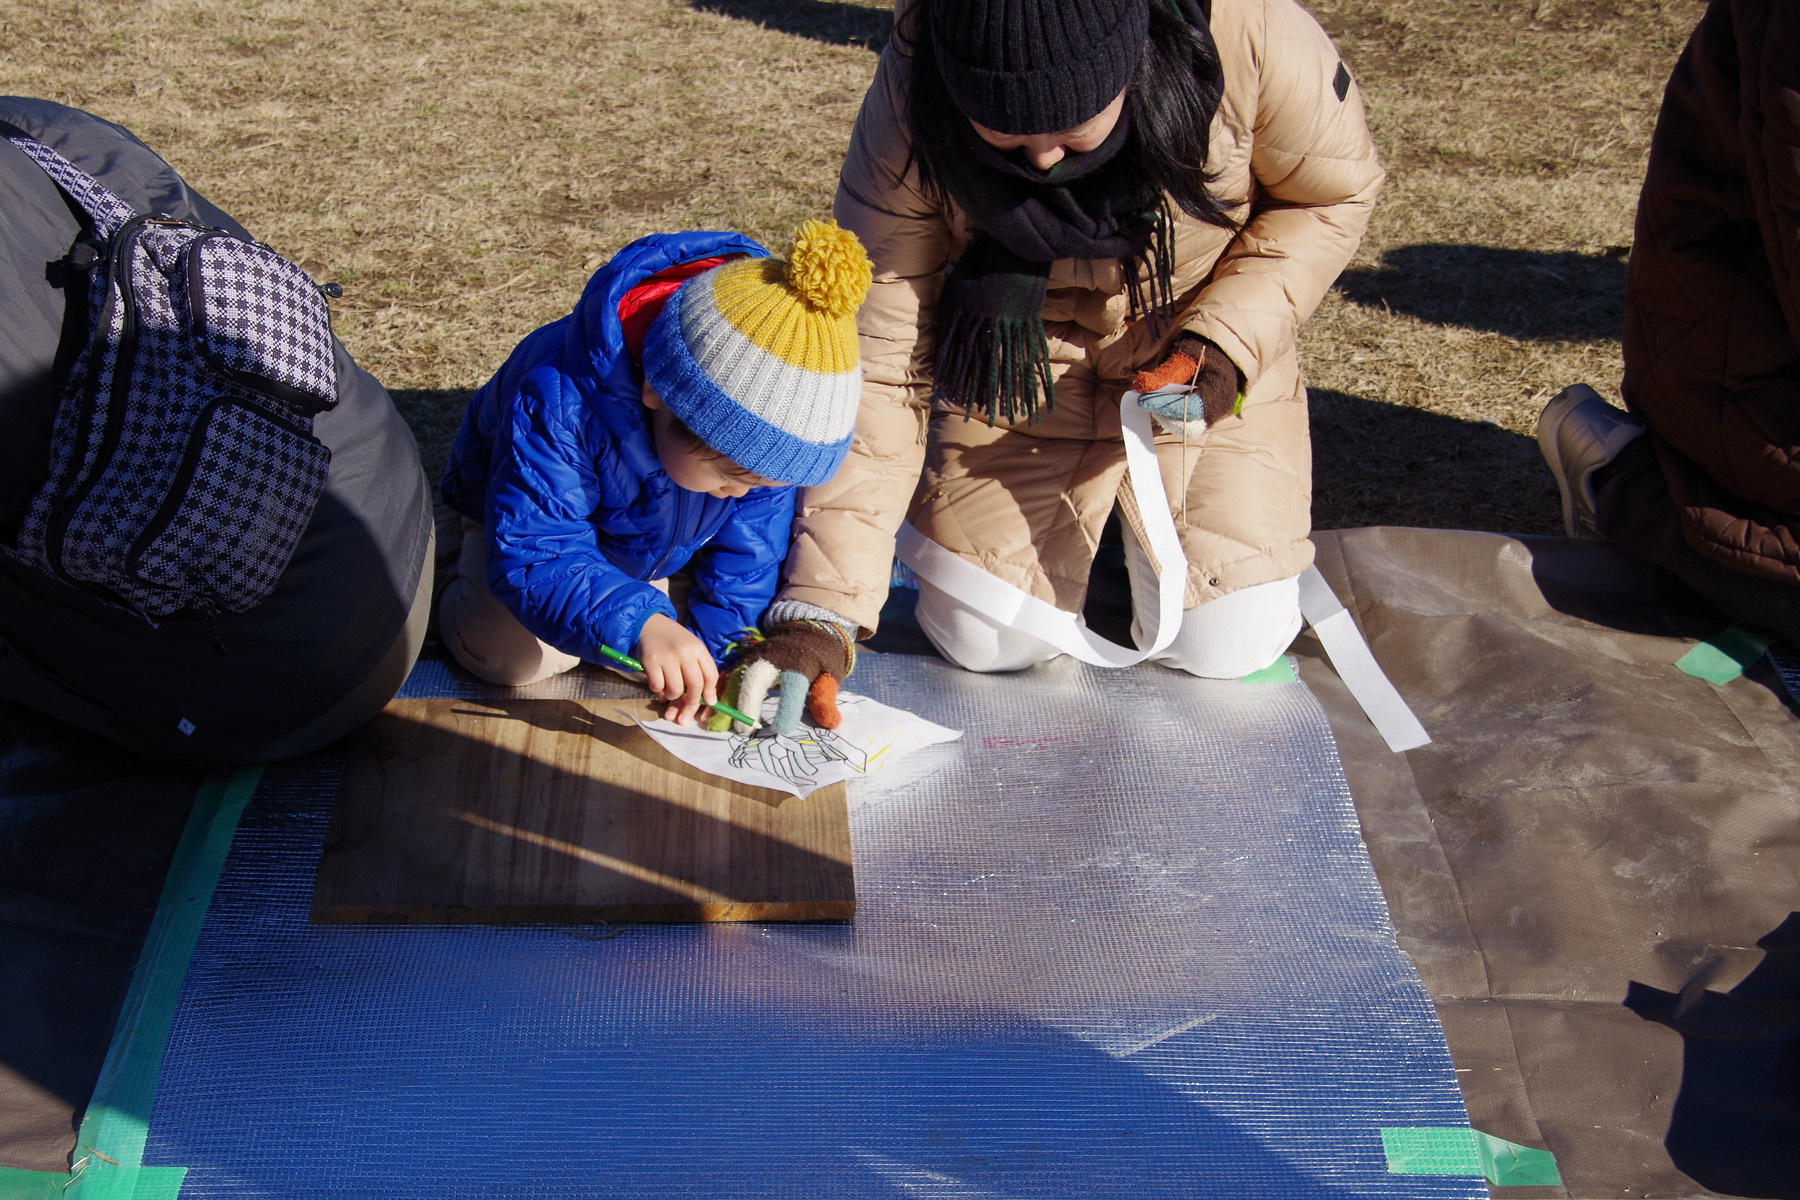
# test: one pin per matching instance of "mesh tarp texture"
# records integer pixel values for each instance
(1120, 940)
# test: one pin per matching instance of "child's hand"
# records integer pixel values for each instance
(678, 668)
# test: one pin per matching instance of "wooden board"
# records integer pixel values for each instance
(479, 812)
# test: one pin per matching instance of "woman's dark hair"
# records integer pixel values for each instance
(1171, 100)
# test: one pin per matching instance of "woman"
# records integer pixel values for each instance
(1062, 200)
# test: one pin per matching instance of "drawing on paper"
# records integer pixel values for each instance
(871, 736)
(796, 759)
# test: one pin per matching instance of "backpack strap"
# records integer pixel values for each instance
(107, 211)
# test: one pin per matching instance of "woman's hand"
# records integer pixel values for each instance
(1217, 388)
(678, 667)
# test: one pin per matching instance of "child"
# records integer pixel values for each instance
(667, 419)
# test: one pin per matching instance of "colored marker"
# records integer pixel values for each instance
(625, 660)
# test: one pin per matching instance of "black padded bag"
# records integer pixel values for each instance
(183, 467)
(332, 624)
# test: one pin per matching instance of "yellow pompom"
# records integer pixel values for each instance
(829, 268)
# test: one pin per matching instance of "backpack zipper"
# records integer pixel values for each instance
(118, 274)
(178, 490)
(301, 402)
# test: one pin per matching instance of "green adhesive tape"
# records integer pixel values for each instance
(149, 1183)
(1280, 671)
(1461, 1151)
(1726, 656)
(109, 1150)
(16, 1183)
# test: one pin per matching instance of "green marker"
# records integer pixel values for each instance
(625, 660)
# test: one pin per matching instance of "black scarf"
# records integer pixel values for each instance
(991, 352)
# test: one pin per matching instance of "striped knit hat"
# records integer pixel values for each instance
(758, 357)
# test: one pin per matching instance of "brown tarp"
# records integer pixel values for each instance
(1588, 816)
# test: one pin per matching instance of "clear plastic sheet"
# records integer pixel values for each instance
(1121, 940)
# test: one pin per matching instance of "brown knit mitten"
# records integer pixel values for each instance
(1218, 389)
(809, 658)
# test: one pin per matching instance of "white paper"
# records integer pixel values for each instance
(870, 739)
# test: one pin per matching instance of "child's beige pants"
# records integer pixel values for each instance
(476, 628)
(481, 633)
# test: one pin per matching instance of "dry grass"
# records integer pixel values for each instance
(1493, 274)
(462, 165)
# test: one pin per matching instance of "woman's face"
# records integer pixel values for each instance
(1045, 150)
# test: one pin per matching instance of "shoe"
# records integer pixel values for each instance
(1579, 433)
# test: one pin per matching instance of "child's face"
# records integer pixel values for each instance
(690, 463)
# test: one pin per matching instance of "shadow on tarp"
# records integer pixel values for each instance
(1526, 294)
(830, 21)
(770, 1103)
(1736, 1124)
(1594, 582)
(1590, 580)
(86, 833)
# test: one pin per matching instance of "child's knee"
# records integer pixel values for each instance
(489, 641)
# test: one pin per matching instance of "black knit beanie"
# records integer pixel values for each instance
(1036, 66)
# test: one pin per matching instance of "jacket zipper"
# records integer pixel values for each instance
(687, 524)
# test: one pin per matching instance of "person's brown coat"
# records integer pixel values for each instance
(1712, 316)
(1027, 502)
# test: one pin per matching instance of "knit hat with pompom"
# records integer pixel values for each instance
(758, 357)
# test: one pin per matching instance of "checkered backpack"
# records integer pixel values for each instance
(183, 468)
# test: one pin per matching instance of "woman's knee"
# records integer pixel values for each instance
(971, 640)
(1239, 633)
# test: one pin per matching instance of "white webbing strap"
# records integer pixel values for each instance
(1356, 666)
(1017, 609)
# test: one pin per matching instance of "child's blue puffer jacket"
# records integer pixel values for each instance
(555, 459)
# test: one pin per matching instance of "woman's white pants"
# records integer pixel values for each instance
(1228, 638)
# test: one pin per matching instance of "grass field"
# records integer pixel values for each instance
(460, 166)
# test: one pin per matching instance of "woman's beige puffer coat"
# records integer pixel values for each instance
(1027, 502)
